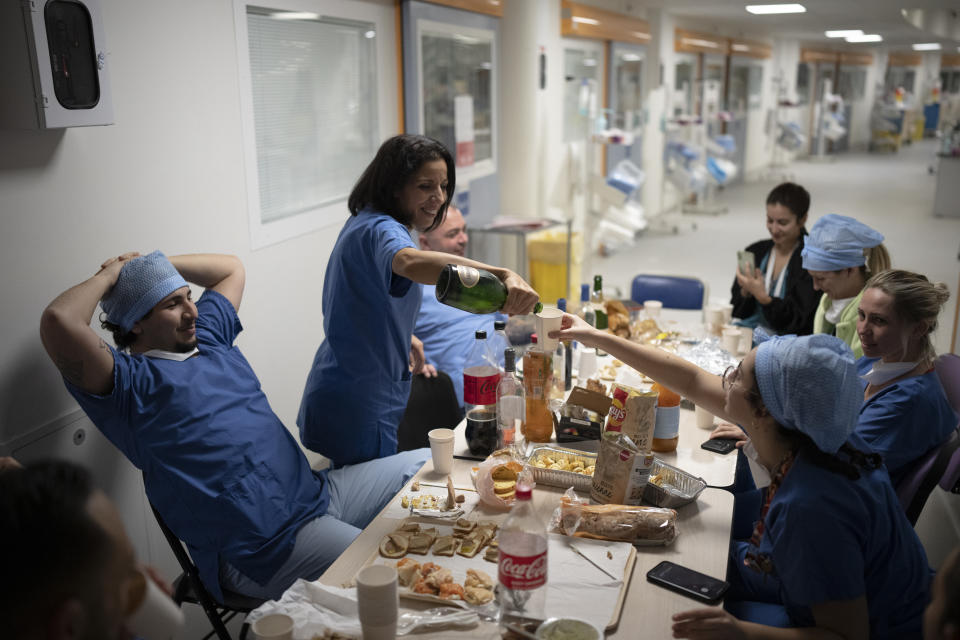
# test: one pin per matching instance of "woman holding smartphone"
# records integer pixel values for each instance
(774, 292)
(832, 553)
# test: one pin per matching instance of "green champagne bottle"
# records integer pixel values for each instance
(598, 302)
(471, 289)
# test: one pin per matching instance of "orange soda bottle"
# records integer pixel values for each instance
(537, 380)
(666, 433)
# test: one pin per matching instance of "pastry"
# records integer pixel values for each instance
(477, 578)
(408, 571)
(444, 546)
(477, 595)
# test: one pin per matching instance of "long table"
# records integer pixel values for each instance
(702, 544)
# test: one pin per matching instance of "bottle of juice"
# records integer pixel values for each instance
(537, 380)
(666, 433)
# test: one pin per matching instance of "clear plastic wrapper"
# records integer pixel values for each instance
(497, 476)
(617, 522)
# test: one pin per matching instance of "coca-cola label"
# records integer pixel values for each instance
(469, 276)
(480, 390)
(522, 573)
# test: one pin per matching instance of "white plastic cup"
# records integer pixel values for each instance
(714, 319)
(746, 339)
(155, 616)
(704, 417)
(652, 308)
(730, 340)
(588, 364)
(377, 602)
(548, 320)
(275, 626)
(441, 450)
(727, 310)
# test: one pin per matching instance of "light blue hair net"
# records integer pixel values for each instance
(837, 242)
(144, 281)
(809, 384)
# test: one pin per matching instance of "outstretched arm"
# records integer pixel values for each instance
(222, 273)
(80, 354)
(425, 267)
(673, 372)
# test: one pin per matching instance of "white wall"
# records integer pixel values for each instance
(170, 175)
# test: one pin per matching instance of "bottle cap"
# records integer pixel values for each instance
(562, 304)
(509, 360)
(499, 325)
(480, 334)
(584, 292)
(533, 338)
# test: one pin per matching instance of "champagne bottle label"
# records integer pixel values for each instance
(469, 276)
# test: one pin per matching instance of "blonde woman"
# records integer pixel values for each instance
(840, 255)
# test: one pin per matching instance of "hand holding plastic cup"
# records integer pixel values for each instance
(441, 450)
(548, 320)
(378, 602)
(275, 626)
(153, 614)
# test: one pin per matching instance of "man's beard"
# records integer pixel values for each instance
(186, 347)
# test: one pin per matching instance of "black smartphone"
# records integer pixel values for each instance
(720, 445)
(687, 582)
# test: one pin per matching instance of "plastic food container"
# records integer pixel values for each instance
(675, 487)
(568, 629)
(556, 477)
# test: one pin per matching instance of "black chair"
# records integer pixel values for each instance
(188, 588)
(940, 466)
(432, 405)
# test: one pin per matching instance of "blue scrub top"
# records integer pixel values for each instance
(831, 538)
(359, 383)
(448, 335)
(219, 466)
(905, 420)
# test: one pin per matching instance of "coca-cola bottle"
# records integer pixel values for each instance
(522, 568)
(481, 375)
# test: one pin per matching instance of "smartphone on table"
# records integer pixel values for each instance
(746, 262)
(688, 582)
(720, 445)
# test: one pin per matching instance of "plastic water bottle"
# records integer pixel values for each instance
(522, 569)
(499, 342)
(511, 403)
(480, 379)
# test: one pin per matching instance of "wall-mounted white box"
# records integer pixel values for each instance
(53, 65)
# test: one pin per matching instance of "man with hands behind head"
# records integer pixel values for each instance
(184, 406)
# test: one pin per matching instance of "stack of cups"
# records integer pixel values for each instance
(588, 364)
(275, 626)
(378, 602)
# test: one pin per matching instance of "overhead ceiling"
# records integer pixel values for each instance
(939, 19)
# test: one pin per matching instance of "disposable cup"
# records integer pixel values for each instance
(746, 339)
(275, 626)
(588, 364)
(441, 450)
(704, 417)
(727, 310)
(548, 320)
(652, 308)
(155, 616)
(730, 341)
(377, 602)
(714, 319)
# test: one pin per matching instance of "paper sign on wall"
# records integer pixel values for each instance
(463, 129)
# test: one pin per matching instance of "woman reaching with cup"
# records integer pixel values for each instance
(776, 293)
(359, 382)
(832, 553)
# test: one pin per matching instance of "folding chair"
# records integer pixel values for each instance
(189, 588)
(432, 404)
(675, 292)
(940, 466)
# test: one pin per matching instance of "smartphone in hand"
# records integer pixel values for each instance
(720, 445)
(688, 582)
(746, 262)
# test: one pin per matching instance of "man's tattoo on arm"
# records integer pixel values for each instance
(72, 370)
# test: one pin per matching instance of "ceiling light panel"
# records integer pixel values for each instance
(926, 46)
(867, 37)
(843, 33)
(767, 9)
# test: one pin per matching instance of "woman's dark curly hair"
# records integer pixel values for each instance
(395, 163)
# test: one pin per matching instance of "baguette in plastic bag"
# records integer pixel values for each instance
(618, 522)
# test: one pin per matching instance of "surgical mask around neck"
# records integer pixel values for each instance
(761, 476)
(886, 371)
(832, 315)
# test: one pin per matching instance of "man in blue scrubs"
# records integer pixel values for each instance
(447, 333)
(184, 405)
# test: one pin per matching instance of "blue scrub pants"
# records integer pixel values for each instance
(357, 494)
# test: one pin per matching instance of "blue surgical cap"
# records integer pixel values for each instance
(143, 282)
(837, 242)
(809, 384)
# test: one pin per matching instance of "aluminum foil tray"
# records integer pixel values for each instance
(676, 487)
(556, 477)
